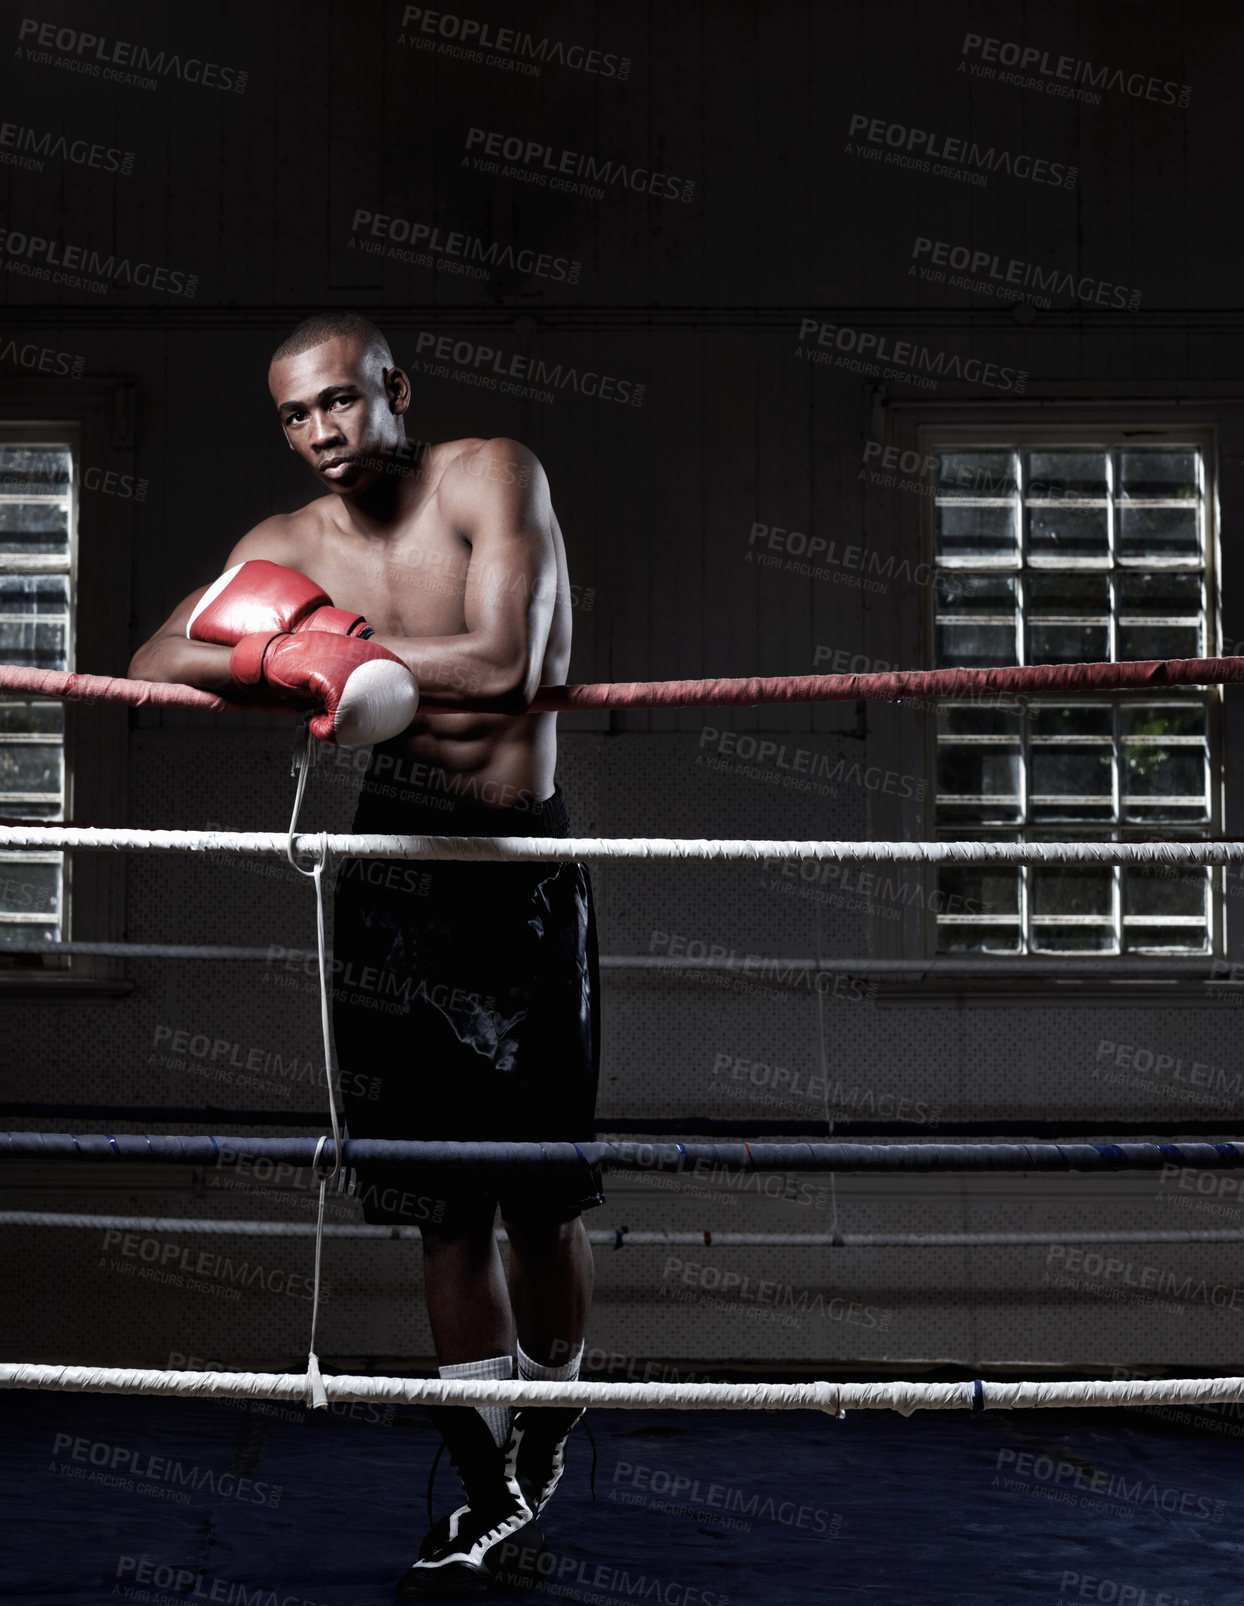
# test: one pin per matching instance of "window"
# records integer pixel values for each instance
(38, 522)
(1048, 550)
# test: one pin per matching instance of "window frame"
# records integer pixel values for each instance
(895, 417)
(102, 413)
(65, 436)
(1035, 436)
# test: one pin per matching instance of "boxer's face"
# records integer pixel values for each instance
(341, 412)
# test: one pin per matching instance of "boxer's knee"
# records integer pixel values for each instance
(542, 1232)
(468, 1226)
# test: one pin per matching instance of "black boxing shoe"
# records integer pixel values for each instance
(537, 1449)
(495, 1532)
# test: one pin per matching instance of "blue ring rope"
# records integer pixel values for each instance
(752, 1157)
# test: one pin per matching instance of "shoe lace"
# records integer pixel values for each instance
(587, 1428)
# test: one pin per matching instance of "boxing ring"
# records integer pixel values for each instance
(289, 1412)
(327, 1154)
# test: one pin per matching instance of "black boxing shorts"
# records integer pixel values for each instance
(465, 1006)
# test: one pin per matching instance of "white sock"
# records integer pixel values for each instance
(498, 1366)
(532, 1372)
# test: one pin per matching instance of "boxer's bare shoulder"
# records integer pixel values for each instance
(446, 484)
(494, 473)
(283, 538)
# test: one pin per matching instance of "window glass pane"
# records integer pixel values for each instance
(33, 643)
(1060, 528)
(1072, 719)
(1072, 595)
(971, 645)
(38, 717)
(1067, 774)
(976, 533)
(1159, 641)
(28, 887)
(29, 767)
(963, 719)
(1159, 594)
(34, 527)
(1159, 534)
(1068, 643)
(987, 937)
(35, 470)
(34, 594)
(1165, 890)
(1162, 719)
(1066, 534)
(976, 473)
(1153, 772)
(977, 596)
(1154, 474)
(978, 907)
(1072, 783)
(1056, 476)
(12, 809)
(979, 771)
(1087, 937)
(1139, 938)
(977, 889)
(25, 931)
(979, 782)
(1057, 890)
(1160, 614)
(977, 620)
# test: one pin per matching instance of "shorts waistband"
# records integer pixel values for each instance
(408, 812)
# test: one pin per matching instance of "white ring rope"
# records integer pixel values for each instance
(597, 849)
(623, 1238)
(833, 1398)
(1195, 967)
(312, 1387)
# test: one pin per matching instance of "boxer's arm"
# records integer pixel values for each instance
(169, 656)
(498, 498)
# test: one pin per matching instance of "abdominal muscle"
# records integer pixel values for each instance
(496, 760)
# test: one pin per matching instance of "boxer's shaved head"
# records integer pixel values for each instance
(322, 326)
(341, 400)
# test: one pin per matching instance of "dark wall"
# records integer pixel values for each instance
(774, 125)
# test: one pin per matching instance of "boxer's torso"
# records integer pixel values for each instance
(409, 578)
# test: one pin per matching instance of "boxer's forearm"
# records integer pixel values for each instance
(173, 659)
(463, 672)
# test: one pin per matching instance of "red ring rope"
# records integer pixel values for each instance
(1041, 678)
(1147, 675)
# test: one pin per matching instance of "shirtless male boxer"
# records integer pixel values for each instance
(448, 557)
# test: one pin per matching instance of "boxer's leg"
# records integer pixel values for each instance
(551, 1277)
(468, 1304)
(551, 1274)
(472, 1326)
(465, 1286)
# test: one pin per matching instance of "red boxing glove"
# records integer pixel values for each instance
(258, 595)
(364, 692)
